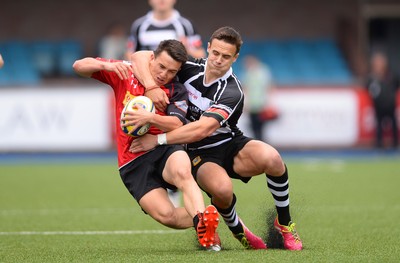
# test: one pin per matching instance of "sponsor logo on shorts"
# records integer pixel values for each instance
(196, 160)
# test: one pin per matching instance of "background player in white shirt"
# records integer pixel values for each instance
(163, 22)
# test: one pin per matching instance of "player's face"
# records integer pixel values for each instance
(221, 56)
(162, 5)
(163, 68)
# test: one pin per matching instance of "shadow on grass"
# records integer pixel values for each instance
(272, 237)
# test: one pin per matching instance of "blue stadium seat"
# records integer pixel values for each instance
(299, 61)
(44, 57)
(68, 52)
(6, 76)
(19, 68)
(322, 62)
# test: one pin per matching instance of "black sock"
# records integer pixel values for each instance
(231, 218)
(279, 188)
(196, 221)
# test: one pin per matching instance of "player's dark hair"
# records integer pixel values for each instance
(228, 35)
(174, 48)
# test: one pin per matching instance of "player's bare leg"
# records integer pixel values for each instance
(177, 171)
(157, 204)
(256, 158)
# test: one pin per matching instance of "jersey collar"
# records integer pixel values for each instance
(223, 78)
(163, 23)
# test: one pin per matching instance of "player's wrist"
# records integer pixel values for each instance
(151, 87)
(162, 139)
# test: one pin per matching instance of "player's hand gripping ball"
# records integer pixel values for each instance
(140, 101)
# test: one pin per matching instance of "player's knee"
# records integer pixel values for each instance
(182, 175)
(274, 165)
(166, 217)
(223, 192)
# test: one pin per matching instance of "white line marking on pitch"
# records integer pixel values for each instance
(117, 232)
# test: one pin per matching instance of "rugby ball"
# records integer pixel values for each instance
(145, 103)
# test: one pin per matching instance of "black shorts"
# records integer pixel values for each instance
(222, 155)
(145, 173)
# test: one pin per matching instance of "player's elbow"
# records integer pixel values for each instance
(77, 66)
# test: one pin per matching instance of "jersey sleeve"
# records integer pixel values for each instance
(133, 38)
(192, 36)
(178, 101)
(186, 70)
(110, 78)
(229, 101)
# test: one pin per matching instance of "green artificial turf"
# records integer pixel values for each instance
(346, 210)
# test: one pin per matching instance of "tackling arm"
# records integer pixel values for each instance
(139, 59)
(166, 123)
(191, 132)
(140, 116)
(87, 66)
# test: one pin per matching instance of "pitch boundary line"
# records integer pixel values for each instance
(83, 233)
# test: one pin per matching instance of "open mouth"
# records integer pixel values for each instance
(160, 82)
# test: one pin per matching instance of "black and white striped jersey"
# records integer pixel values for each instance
(221, 99)
(147, 32)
